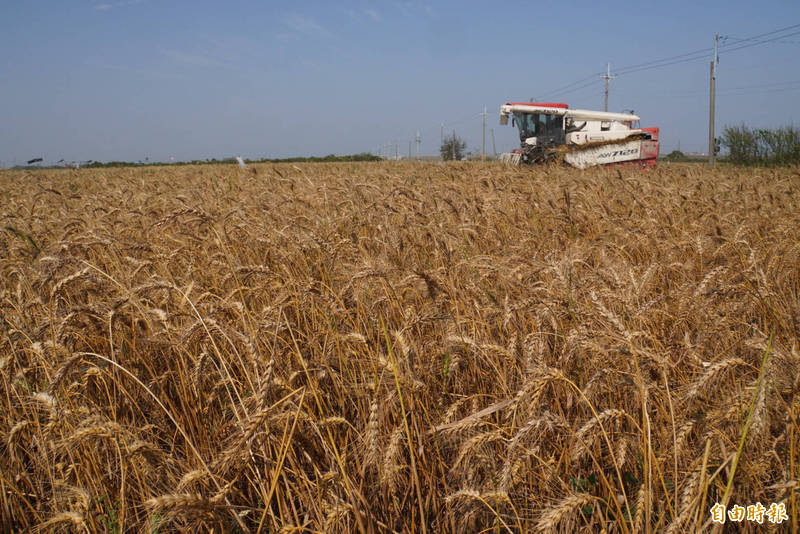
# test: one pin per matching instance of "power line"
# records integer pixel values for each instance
(560, 90)
(761, 92)
(756, 43)
(773, 32)
(701, 53)
(593, 82)
(748, 88)
(660, 64)
(696, 55)
(765, 85)
(671, 59)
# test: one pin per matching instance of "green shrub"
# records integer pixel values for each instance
(746, 146)
(676, 155)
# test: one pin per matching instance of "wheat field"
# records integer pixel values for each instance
(405, 347)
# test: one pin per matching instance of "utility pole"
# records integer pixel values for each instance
(441, 135)
(607, 76)
(483, 147)
(712, 141)
(419, 140)
(397, 151)
(409, 150)
(494, 147)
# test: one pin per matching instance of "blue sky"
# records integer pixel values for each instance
(129, 79)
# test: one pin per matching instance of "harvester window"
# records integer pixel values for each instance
(554, 124)
(538, 124)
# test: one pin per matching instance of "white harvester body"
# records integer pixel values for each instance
(581, 138)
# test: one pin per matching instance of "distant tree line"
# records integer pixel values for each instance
(761, 146)
(364, 156)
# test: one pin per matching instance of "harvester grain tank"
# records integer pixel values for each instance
(581, 138)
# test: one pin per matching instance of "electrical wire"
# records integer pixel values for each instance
(740, 90)
(761, 85)
(671, 60)
(756, 43)
(658, 66)
(593, 83)
(773, 32)
(755, 40)
(701, 54)
(559, 90)
(759, 92)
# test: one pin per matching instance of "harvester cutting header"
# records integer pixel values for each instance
(579, 137)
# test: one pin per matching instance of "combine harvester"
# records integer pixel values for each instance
(550, 132)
